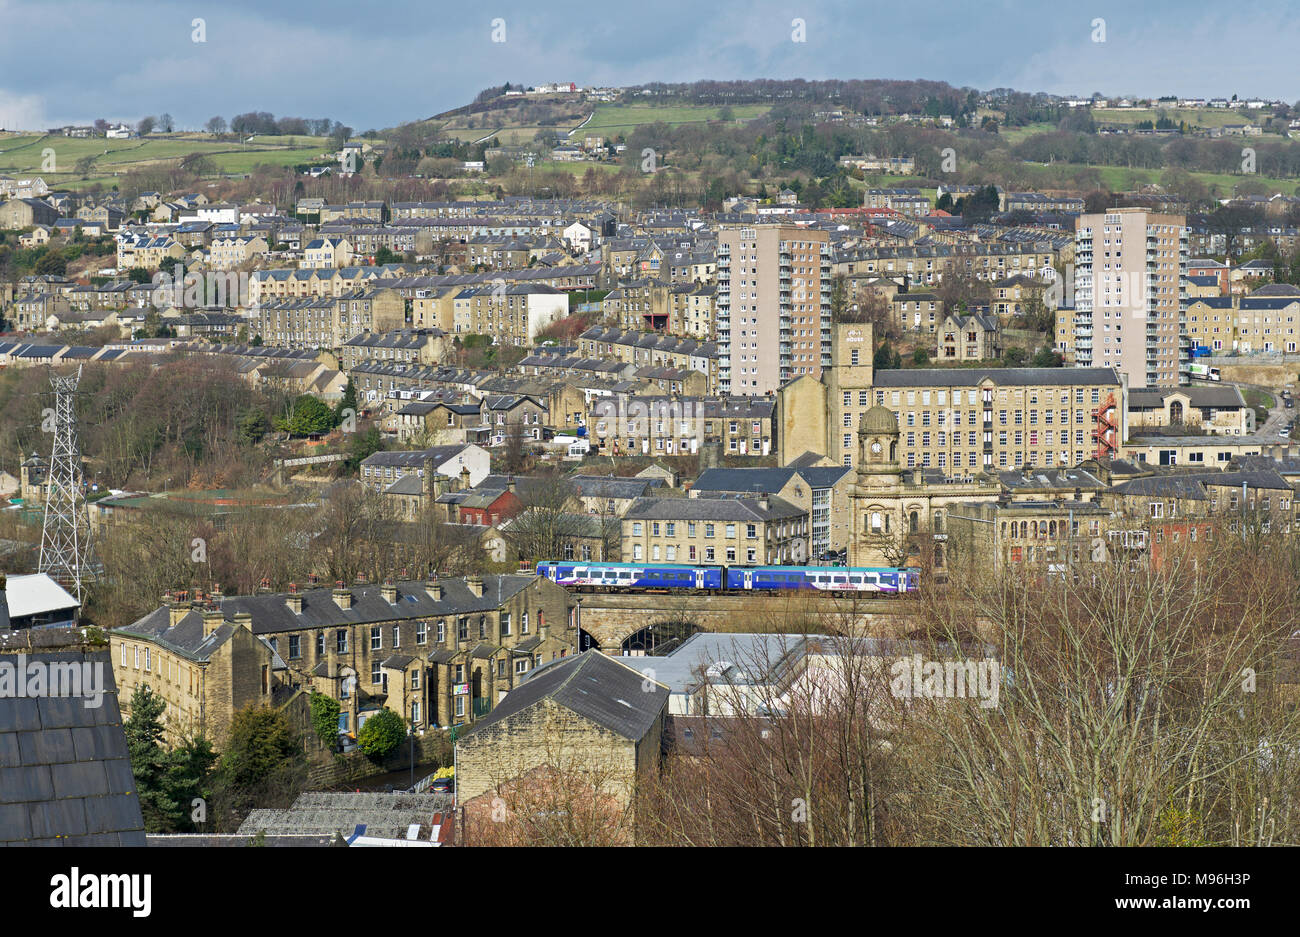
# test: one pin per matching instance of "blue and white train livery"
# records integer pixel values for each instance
(672, 577)
(824, 578)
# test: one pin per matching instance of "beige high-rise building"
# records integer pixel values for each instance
(774, 307)
(1129, 306)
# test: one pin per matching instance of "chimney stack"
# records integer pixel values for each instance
(212, 620)
(389, 592)
(178, 605)
(243, 618)
(475, 584)
(342, 597)
(294, 599)
(435, 590)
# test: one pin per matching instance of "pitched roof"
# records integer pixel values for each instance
(971, 377)
(711, 508)
(592, 685)
(66, 777)
(766, 480)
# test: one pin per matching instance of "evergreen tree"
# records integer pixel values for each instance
(263, 765)
(347, 402)
(167, 782)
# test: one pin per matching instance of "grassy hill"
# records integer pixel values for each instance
(27, 153)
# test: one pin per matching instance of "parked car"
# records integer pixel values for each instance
(443, 786)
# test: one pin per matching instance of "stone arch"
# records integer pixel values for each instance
(659, 637)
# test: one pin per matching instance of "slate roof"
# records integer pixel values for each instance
(612, 486)
(1219, 397)
(767, 480)
(1003, 377)
(592, 685)
(711, 508)
(65, 773)
(271, 613)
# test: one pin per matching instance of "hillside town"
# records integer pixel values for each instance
(383, 495)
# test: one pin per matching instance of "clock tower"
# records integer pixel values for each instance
(878, 449)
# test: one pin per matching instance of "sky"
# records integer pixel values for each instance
(377, 65)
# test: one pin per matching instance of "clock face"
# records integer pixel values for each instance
(875, 448)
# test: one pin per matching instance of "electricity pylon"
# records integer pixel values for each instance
(65, 536)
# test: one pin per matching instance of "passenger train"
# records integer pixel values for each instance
(672, 577)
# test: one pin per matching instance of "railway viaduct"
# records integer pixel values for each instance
(612, 619)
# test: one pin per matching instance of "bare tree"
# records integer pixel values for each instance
(547, 519)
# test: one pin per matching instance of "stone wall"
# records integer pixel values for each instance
(328, 769)
(611, 619)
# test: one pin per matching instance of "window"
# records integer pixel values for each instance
(295, 646)
(521, 665)
(731, 531)
(341, 641)
(148, 658)
(442, 632)
(421, 632)
(376, 638)
(376, 672)
(415, 678)
(523, 623)
(636, 528)
(415, 713)
(501, 667)
(462, 629)
(320, 643)
(397, 636)
(505, 624)
(460, 705)
(751, 531)
(731, 554)
(482, 627)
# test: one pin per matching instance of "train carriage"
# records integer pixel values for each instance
(632, 576)
(838, 580)
(672, 577)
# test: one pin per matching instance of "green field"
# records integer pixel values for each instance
(22, 153)
(1014, 135)
(1117, 178)
(610, 120)
(1194, 116)
(577, 169)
